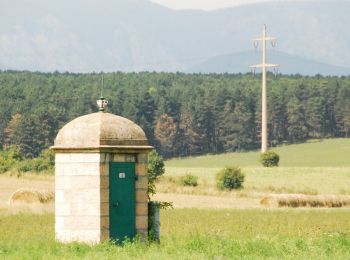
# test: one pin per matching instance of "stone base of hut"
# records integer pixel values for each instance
(82, 194)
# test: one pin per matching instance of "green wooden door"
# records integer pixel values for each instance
(122, 201)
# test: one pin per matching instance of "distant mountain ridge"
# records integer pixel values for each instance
(137, 35)
(289, 64)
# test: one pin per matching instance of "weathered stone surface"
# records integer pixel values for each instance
(142, 209)
(141, 195)
(76, 168)
(77, 157)
(81, 195)
(98, 129)
(130, 158)
(59, 196)
(104, 182)
(142, 233)
(85, 209)
(86, 236)
(104, 222)
(141, 222)
(118, 158)
(104, 206)
(62, 182)
(79, 222)
(59, 223)
(142, 182)
(141, 169)
(106, 157)
(104, 169)
(104, 234)
(142, 158)
(78, 182)
(104, 195)
(62, 209)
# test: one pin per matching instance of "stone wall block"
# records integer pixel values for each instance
(62, 158)
(141, 196)
(104, 196)
(86, 169)
(63, 182)
(104, 234)
(141, 222)
(60, 169)
(130, 158)
(106, 157)
(62, 209)
(104, 182)
(81, 222)
(85, 209)
(59, 222)
(77, 157)
(142, 182)
(142, 158)
(85, 157)
(143, 234)
(83, 196)
(86, 236)
(60, 196)
(85, 182)
(141, 169)
(119, 157)
(104, 222)
(104, 169)
(77, 169)
(142, 209)
(104, 206)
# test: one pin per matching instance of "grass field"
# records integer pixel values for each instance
(315, 153)
(207, 223)
(317, 167)
(196, 234)
(306, 180)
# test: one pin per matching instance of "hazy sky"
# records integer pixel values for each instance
(208, 4)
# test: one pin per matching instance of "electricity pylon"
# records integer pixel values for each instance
(264, 66)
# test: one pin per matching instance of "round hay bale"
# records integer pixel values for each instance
(31, 196)
(265, 201)
(269, 201)
(302, 200)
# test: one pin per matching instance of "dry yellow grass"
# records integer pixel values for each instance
(205, 201)
(300, 200)
(31, 196)
(9, 185)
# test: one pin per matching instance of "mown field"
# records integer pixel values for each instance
(210, 224)
(317, 167)
(315, 153)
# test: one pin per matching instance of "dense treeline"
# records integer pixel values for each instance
(182, 114)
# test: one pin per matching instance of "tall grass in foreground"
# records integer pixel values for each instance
(196, 234)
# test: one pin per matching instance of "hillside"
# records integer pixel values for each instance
(137, 35)
(289, 64)
(323, 153)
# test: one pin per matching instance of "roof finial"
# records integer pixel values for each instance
(102, 102)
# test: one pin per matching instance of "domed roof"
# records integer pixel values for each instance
(100, 130)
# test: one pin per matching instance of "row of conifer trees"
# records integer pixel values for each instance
(182, 114)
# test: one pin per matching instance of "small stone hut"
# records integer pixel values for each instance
(100, 179)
